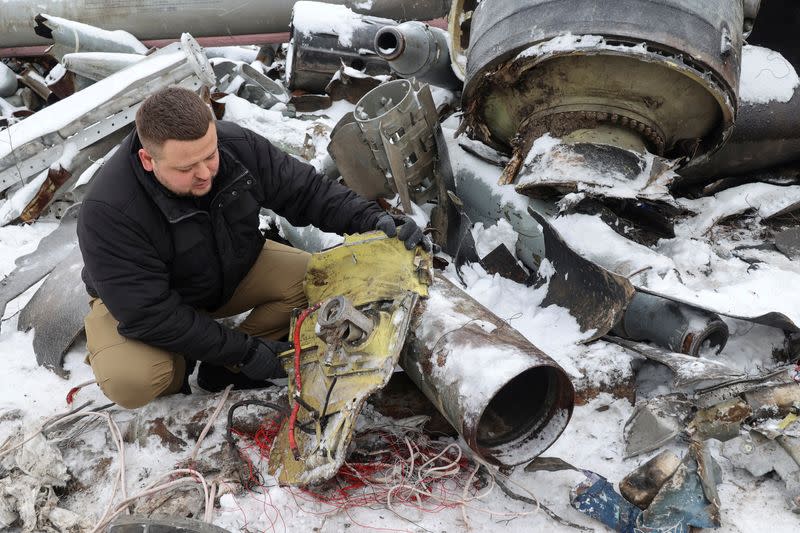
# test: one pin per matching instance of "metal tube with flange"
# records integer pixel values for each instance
(156, 19)
(416, 50)
(669, 324)
(506, 397)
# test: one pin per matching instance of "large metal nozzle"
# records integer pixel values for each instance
(667, 71)
(416, 50)
(507, 398)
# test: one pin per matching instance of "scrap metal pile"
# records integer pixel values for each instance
(651, 178)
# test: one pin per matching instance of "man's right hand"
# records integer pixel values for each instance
(261, 361)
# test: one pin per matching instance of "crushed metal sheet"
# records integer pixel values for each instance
(688, 370)
(689, 498)
(56, 312)
(655, 422)
(597, 498)
(32, 267)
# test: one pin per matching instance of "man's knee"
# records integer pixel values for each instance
(131, 383)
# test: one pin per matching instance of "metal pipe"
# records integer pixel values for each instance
(678, 327)
(98, 65)
(507, 416)
(156, 19)
(415, 50)
(71, 36)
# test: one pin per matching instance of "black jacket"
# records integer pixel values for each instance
(155, 258)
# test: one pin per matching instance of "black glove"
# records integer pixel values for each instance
(404, 229)
(261, 361)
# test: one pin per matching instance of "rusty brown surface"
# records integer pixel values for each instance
(167, 438)
(401, 399)
(55, 179)
(641, 486)
(624, 390)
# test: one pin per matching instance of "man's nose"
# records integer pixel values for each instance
(203, 172)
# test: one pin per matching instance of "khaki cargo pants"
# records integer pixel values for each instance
(132, 373)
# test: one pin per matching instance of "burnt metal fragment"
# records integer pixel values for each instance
(656, 422)
(502, 262)
(641, 486)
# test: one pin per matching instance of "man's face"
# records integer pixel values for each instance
(187, 168)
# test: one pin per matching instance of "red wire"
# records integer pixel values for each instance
(298, 382)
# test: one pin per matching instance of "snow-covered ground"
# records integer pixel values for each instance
(695, 262)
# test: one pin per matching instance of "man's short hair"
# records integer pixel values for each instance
(172, 113)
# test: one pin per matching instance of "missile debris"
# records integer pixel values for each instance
(98, 65)
(416, 50)
(325, 37)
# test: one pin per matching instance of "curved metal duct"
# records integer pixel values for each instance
(666, 71)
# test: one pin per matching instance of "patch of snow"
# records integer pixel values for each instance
(766, 76)
(316, 17)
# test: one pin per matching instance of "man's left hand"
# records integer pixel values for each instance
(404, 229)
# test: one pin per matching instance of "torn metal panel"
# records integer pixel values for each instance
(508, 417)
(350, 85)
(348, 39)
(774, 400)
(32, 267)
(81, 37)
(502, 262)
(259, 89)
(709, 396)
(656, 422)
(688, 369)
(30, 146)
(759, 456)
(98, 65)
(689, 498)
(367, 289)
(676, 90)
(722, 421)
(416, 50)
(596, 168)
(788, 242)
(597, 498)
(678, 328)
(56, 312)
(641, 486)
(602, 297)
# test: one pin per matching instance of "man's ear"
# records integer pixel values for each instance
(146, 159)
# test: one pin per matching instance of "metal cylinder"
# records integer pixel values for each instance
(322, 42)
(677, 327)
(156, 19)
(338, 319)
(507, 399)
(667, 70)
(415, 50)
(98, 65)
(8, 81)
